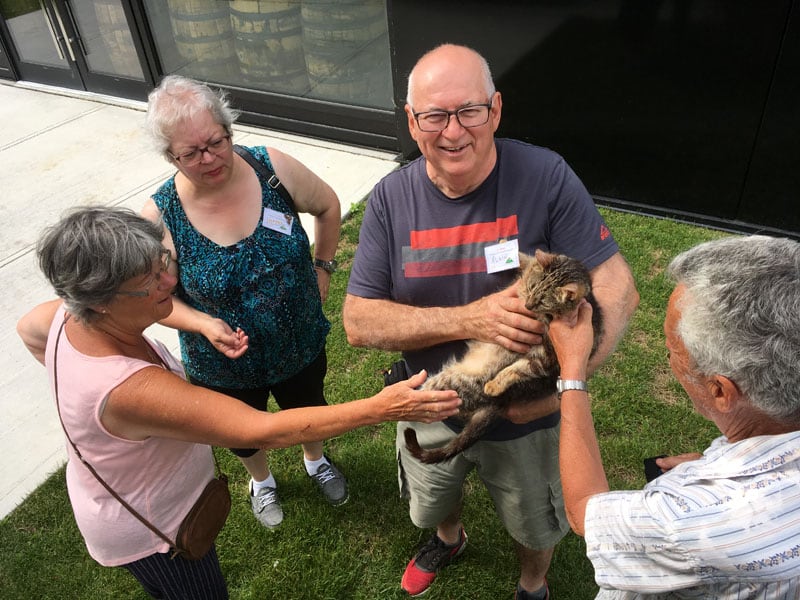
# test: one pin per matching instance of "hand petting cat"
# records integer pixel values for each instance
(572, 337)
(566, 327)
(501, 318)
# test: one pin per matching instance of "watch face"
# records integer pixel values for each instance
(325, 265)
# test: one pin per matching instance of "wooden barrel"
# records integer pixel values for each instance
(203, 36)
(117, 39)
(347, 50)
(269, 44)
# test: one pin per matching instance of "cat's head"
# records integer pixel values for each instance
(552, 284)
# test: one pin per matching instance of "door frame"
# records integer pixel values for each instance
(76, 74)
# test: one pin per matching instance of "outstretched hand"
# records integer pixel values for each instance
(406, 403)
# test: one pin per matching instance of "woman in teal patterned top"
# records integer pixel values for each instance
(248, 305)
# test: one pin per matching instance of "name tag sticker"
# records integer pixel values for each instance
(502, 256)
(277, 221)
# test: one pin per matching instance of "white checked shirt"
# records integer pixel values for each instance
(724, 526)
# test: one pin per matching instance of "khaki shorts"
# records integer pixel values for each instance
(521, 476)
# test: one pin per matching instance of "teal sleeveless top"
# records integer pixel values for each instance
(265, 284)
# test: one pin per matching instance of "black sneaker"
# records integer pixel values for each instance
(434, 555)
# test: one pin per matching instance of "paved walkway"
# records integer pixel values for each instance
(59, 150)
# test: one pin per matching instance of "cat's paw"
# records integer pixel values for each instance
(494, 387)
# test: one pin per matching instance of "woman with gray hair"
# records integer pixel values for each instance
(248, 305)
(125, 404)
(724, 524)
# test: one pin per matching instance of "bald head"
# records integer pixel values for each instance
(446, 66)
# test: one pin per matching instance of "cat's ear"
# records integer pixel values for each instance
(544, 258)
(524, 260)
(571, 292)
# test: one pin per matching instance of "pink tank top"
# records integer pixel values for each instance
(159, 477)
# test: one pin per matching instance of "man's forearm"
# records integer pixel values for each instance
(615, 322)
(615, 292)
(388, 325)
(581, 467)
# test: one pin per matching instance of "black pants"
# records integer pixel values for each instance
(306, 388)
(178, 578)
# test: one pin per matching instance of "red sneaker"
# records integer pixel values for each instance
(434, 555)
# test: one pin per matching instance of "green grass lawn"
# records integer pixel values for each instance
(359, 550)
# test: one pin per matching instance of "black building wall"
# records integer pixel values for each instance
(687, 108)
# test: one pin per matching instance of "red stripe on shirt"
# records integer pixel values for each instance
(465, 234)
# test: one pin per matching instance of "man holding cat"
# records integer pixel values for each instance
(724, 524)
(438, 240)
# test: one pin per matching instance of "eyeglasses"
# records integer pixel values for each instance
(165, 257)
(193, 157)
(473, 115)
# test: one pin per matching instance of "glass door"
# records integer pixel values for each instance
(38, 43)
(78, 44)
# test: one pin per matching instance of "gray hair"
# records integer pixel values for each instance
(91, 251)
(488, 82)
(179, 98)
(740, 317)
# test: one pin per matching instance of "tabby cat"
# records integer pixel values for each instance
(489, 377)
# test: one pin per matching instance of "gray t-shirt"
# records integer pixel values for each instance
(419, 247)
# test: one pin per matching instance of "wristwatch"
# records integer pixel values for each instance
(562, 385)
(328, 266)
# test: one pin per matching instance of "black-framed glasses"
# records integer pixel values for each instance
(473, 115)
(216, 147)
(165, 257)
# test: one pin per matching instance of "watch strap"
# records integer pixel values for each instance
(326, 265)
(563, 385)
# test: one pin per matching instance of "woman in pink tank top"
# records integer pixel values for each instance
(125, 403)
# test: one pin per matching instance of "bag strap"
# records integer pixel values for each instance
(91, 469)
(269, 175)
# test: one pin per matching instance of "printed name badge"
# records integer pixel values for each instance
(502, 256)
(277, 221)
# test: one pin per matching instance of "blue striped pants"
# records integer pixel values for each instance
(177, 578)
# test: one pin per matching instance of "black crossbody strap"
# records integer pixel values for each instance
(269, 175)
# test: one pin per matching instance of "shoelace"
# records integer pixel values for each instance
(265, 499)
(434, 552)
(325, 475)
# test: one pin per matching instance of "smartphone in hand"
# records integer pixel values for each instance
(651, 469)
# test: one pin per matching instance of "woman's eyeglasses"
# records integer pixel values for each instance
(193, 157)
(165, 258)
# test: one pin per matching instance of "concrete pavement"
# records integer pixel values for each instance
(60, 149)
